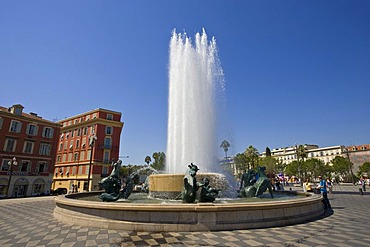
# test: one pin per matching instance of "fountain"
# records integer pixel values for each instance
(194, 80)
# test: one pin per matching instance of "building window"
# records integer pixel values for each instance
(85, 130)
(28, 147)
(87, 169)
(77, 144)
(108, 142)
(109, 117)
(106, 157)
(64, 157)
(24, 166)
(76, 121)
(72, 133)
(108, 130)
(82, 156)
(71, 145)
(69, 157)
(87, 117)
(79, 132)
(5, 165)
(45, 149)
(1, 122)
(15, 126)
(31, 130)
(105, 170)
(61, 146)
(66, 145)
(84, 142)
(75, 157)
(94, 116)
(47, 132)
(58, 158)
(10, 145)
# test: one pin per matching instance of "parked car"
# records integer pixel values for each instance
(59, 191)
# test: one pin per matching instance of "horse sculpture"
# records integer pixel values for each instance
(251, 186)
(189, 191)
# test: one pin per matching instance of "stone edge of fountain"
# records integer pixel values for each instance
(187, 217)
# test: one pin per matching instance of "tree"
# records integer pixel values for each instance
(315, 167)
(272, 165)
(341, 166)
(252, 154)
(292, 169)
(241, 161)
(159, 160)
(364, 168)
(225, 145)
(268, 152)
(148, 160)
(301, 155)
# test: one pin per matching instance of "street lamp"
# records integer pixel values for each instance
(11, 163)
(92, 140)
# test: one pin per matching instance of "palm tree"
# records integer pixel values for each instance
(301, 155)
(225, 145)
(252, 154)
(148, 160)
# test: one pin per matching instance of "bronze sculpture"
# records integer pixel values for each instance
(189, 191)
(113, 187)
(255, 184)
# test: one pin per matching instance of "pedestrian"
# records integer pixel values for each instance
(330, 186)
(323, 190)
(307, 187)
(363, 183)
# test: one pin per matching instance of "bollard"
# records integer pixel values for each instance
(361, 192)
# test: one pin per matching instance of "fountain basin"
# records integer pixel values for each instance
(169, 186)
(187, 217)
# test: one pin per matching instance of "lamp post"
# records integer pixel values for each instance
(349, 163)
(10, 163)
(92, 140)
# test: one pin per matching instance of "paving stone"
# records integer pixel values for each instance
(30, 222)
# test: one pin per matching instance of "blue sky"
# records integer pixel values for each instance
(296, 72)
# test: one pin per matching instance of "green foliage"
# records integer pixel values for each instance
(273, 166)
(301, 153)
(364, 168)
(253, 156)
(341, 165)
(241, 161)
(225, 145)
(159, 160)
(292, 169)
(268, 152)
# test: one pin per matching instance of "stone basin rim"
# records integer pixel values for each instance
(70, 200)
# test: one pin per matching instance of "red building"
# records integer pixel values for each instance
(87, 144)
(358, 155)
(27, 152)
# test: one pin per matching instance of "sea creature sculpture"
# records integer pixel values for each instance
(189, 191)
(255, 184)
(114, 189)
(207, 193)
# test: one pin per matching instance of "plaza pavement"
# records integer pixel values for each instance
(30, 222)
